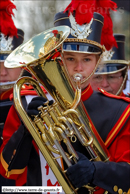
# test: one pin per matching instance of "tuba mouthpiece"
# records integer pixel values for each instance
(77, 77)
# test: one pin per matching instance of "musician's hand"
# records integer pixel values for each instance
(82, 172)
(35, 103)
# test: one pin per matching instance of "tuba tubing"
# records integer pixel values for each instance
(42, 140)
(55, 167)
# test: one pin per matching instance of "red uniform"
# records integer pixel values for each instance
(5, 104)
(14, 120)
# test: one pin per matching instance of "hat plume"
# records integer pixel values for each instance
(84, 10)
(7, 26)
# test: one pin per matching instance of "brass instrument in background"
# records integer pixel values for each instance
(66, 119)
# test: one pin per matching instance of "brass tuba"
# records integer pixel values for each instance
(65, 120)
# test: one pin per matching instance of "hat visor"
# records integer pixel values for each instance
(3, 57)
(81, 48)
(110, 68)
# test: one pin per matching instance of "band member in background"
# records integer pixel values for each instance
(8, 76)
(10, 39)
(127, 89)
(112, 76)
(109, 113)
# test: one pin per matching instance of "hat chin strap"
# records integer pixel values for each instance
(121, 87)
(9, 85)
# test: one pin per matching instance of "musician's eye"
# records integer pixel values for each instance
(87, 59)
(69, 59)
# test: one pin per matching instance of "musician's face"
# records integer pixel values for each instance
(8, 74)
(80, 63)
(111, 83)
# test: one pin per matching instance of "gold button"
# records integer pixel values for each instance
(124, 193)
(14, 152)
(120, 191)
(106, 192)
(115, 188)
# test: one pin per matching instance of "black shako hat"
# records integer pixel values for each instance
(10, 43)
(114, 59)
(84, 38)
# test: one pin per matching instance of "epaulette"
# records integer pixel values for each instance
(127, 99)
(28, 90)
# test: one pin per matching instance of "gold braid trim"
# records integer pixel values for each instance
(64, 18)
(85, 41)
(20, 35)
(5, 52)
(117, 127)
(119, 41)
(8, 173)
(118, 61)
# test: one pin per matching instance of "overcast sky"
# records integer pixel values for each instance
(36, 16)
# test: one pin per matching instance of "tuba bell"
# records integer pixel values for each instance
(66, 119)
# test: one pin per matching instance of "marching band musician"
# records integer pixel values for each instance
(74, 58)
(109, 113)
(113, 75)
(8, 76)
(10, 38)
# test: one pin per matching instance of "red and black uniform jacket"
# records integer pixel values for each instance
(111, 117)
(5, 106)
